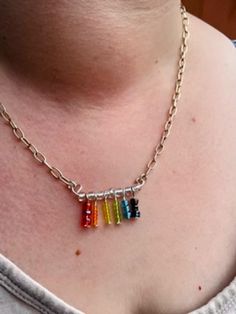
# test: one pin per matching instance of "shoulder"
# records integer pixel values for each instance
(209, 102)
(214, 55)
(209, 37)
(211, 70)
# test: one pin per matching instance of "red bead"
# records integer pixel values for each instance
(86, 219)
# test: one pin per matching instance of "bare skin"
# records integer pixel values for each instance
(91, 88)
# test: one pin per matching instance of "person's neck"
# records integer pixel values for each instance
(90, 50)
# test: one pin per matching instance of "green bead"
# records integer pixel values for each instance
(117, 211)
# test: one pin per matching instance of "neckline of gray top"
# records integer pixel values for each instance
(26, 289)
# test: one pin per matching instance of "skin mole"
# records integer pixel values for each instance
(77, 252)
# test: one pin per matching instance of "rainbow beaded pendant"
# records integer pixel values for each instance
(113, 210)
(115, 205)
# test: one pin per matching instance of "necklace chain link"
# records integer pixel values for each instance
(176, 96)
(140, 180)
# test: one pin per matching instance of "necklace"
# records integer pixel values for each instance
(122, 202)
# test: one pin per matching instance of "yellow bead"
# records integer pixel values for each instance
(106, 212)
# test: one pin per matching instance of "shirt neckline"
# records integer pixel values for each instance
(30, 291)
(24, 287)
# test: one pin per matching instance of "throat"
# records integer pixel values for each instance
(94, 50)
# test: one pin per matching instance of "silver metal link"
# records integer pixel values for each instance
(25, 141)
(39, 157)
(32, 148)
(76, 188)
(2, 108)
(47, 165)
(6, 116)
(18, 133)
(67, 181)
(56, 173)
(12, 124)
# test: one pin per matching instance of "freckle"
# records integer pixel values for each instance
(156, 61)
(77, 252)
(199, 288)
(193, 119)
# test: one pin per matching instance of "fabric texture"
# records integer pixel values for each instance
(20, 294)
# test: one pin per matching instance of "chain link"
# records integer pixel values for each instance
(175, 98)
(40, 157)
(77, 187)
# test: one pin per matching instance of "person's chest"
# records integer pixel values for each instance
(173, 259)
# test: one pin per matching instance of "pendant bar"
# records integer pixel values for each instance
(111, 193)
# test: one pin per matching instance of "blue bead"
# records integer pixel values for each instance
(126, 209)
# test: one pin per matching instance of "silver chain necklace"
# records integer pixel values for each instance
(123, 201)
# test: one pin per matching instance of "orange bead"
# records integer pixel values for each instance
(94, 214)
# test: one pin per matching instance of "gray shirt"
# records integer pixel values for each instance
(20, 294)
